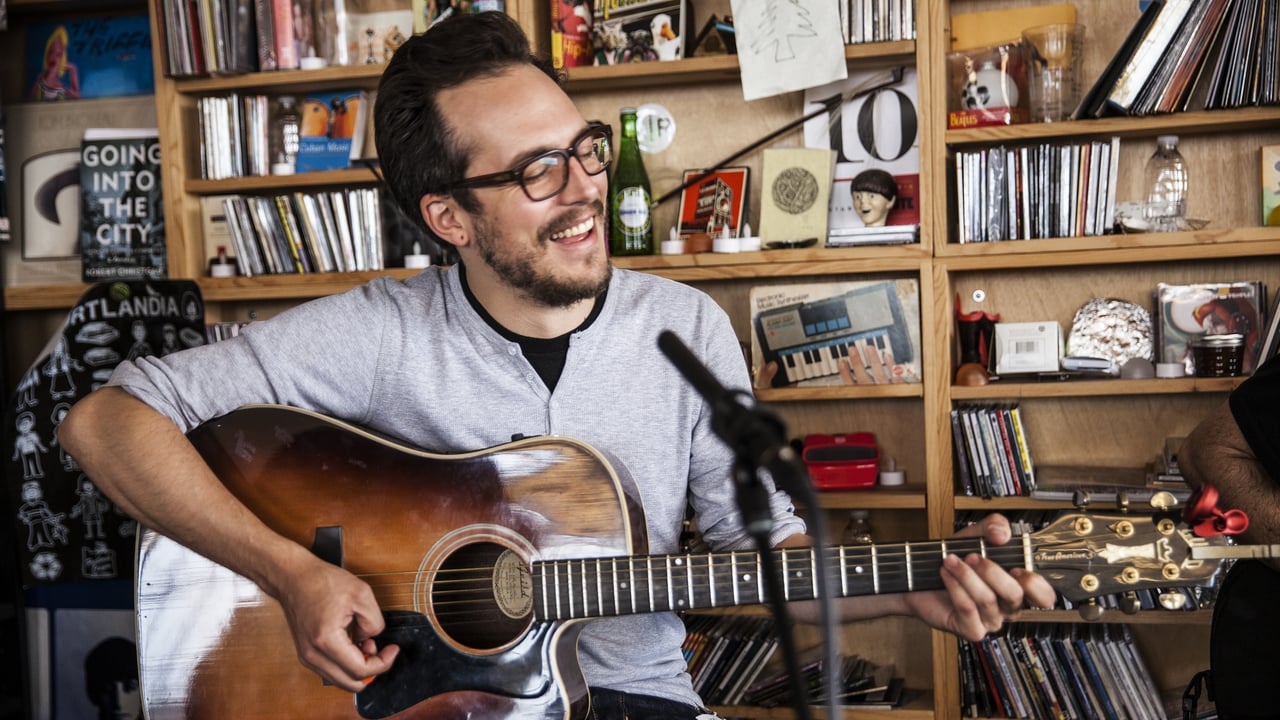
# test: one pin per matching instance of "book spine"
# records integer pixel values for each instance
(283, 38)
(963, 474)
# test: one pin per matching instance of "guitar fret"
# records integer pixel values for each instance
(906, 550)
(813, 572)
(733, 567)
(786, 575)
(631, 575)
(599, 591)
(648, 564)
(711, 579)
(586, 598)
(844, 572)
(556, 575)
(875, 569)
(542, 576)
(759, 579)
(671, 596)
(617, 603)
(688, 565)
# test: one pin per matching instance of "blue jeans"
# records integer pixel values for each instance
(613, 705)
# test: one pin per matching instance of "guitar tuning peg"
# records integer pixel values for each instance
(1122, 501)
(1129, 603)
(1164, 500)
(1172, 600)
(1090, 610)
(1080, 498)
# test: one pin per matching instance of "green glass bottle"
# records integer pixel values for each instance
(630, 211)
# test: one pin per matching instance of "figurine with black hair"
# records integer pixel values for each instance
(874, 192)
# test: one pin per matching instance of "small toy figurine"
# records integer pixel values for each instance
(874, 192)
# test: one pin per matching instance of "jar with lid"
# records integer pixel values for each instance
(1218, 355)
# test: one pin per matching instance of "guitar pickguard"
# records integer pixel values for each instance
(428, 667)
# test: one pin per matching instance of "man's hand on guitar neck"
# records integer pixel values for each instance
(980, 595)
(334, 617)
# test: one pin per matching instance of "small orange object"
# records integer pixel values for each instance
(369, 679)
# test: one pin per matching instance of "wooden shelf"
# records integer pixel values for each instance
(1237, 242)
(281, 183)
(698, 70)
(797, 262)
(293, 81)
(918, 707)
(1110, 387)
(1111, 616)
(907, 497)
(238, 289)
(1187, 123)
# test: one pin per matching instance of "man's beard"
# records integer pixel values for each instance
(520, 272)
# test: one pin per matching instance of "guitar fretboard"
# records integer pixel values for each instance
(598, 587)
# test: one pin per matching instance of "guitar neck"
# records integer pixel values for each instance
(601, 587)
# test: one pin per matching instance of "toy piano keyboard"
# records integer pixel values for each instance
(809, 339)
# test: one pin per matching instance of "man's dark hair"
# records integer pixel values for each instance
(876, 181)
(419, 154)
(114, 660)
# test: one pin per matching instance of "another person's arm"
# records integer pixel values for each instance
(1217, 453)
(143, 462)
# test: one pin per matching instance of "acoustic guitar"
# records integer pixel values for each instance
(488, 564)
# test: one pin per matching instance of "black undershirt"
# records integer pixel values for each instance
(546, 355)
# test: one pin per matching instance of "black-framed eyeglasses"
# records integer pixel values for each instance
(544, 176)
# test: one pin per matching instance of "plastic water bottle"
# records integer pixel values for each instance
(1167, 180)
(284, 139)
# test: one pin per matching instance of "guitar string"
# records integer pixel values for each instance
(465, 586)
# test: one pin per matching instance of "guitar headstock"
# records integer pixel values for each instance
(1084, 555)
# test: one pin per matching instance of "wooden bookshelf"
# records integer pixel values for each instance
(1116, 421)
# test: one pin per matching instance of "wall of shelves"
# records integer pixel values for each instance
(1107, 422)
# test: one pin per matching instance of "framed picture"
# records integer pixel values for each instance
(714, 202)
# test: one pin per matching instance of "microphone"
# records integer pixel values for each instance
(756, 434)
(758, 439)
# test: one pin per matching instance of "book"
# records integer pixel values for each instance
(368, 32)
(874, 132)
(830, 333)
(332, 130)
(1094, 102)
(1270, 181)
(1186, 312)
(1180, 53)
(215, 224)
(97, 57)
(794, 198)
(713, 202)
(1140, 65)
(122, 231)
(571, 34)
(284, 41)
(998, 27)
(5, 233)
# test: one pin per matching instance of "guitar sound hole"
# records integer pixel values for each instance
(481, 597)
